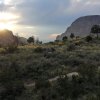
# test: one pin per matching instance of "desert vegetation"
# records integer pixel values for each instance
(61, 70)
(49, 49)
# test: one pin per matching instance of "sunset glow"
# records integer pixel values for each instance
(6, 26)
(7, 20)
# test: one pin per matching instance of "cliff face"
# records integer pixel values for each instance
(7, 38)
(81, 26)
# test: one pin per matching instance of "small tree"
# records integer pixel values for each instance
(16, 38)
(64, 38)
(72, 35)
(37, 41)
(56, 41)
(89, 38)
(95, 29)
(31, 39)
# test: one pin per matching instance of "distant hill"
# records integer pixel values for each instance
(7, 38)
(81, 26)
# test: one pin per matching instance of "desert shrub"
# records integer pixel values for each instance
(40, 68)
(45, 91)
(33, 72)
(77, 37)
(70, 89)
(31, 39)
(78, 42)
(60, 43)
(72, 35)
(44, 50)
(73, 61)
(88, 38)
(3, 51)
(11, 48)
(88, 71)
(50, 49)
(91, 96)
(11, 82)
(38, 50)
(65, 38)
(41, 83)
(71, 47)
(53, 49)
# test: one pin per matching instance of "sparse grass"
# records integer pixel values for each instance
(46, 65)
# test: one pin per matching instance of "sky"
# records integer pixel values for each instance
(44, 19)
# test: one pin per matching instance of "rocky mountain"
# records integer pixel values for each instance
(81, 26)
(7, 38)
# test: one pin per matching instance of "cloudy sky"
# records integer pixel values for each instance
(44, 18)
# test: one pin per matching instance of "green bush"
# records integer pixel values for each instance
(38, 50)
(71, 47)
(11, 49)
(11, 82)
(41, 83)
(65, 38)
(88, 38)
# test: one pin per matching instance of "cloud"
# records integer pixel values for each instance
(50, 12)
(53, 36)
(54, 12)
(83, 6)
(48, 16)
(42, 12)
(4, 7)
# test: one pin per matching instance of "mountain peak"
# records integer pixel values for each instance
(81, 26)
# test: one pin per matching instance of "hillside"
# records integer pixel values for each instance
(81, 26)
(69, 70)
(7, 38)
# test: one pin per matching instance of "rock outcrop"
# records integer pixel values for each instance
(7, 38)
(81, 26)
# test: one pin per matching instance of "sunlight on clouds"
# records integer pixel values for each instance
(7, 20)
(78, 0)
(7, 1)
(6, 26)
(13, 2)
(26, 35)
(29, 27)
(25, 31)
(7, 16)
(20, 17)
(0, 2)
(91, 2)
(53, 36)
(79, 5)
